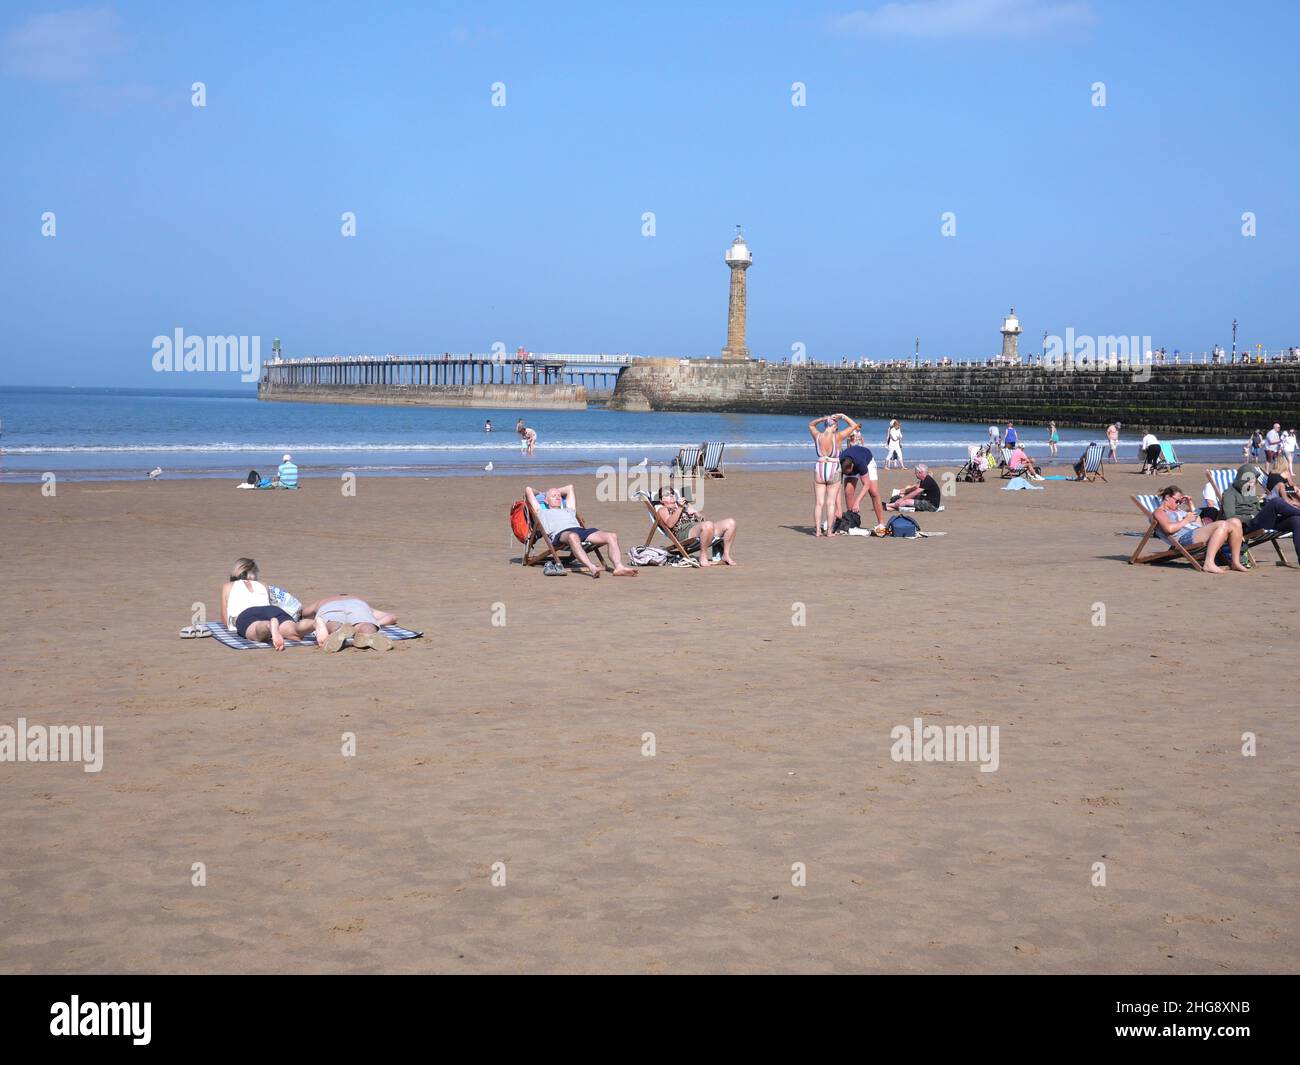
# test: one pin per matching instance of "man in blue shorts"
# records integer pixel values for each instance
(860, 479)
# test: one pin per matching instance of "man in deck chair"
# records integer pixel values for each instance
(557, 510)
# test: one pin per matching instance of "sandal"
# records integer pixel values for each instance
(195, 632)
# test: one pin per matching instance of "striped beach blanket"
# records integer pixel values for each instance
(233, 640)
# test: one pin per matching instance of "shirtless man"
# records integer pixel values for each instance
(527, 436)
(558, 510)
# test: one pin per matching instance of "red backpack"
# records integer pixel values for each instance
(520, 522)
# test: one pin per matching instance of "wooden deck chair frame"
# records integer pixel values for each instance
(1168, 460)
(1099, 467)
(711, 458)
(685, 548)
(1196, 552)
(688, 458)
(549, 552)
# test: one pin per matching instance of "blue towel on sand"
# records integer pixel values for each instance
(1019, 483)
(236, 642)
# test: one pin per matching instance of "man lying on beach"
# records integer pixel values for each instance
(339, 616)
(860, 479)
(923, 496)
(558, 510)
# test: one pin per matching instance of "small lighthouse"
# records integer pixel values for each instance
(738, 257)
(1011, 337)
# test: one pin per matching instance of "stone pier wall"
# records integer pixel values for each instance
(514, 397)
(1184, 399)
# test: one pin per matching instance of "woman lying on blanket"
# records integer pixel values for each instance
(1180, 523)
(246, 608)
(685, 523)
(340, 616)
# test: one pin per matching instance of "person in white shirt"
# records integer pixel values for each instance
(1150, 452)
(1273, 443)
(894, 445)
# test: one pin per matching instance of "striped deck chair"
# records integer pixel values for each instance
(685, 548)
(1195, 553)
(1168, 460)
(1090, 467)
(688, 458)
(539, 548)
(1221, 481)
(1008, 470)
(711, 463)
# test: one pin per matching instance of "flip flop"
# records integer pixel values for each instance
(195, 632)
(336, 639)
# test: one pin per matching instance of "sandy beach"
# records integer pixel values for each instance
(522, 743)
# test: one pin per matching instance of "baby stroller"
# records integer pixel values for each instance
(977, 461)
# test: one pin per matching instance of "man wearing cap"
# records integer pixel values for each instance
(288, 473)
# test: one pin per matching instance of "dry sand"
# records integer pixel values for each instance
(522, 744)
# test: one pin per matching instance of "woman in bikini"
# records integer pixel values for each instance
(686, 523)
(828, 438)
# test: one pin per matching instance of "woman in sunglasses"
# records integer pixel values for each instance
(1180, 523)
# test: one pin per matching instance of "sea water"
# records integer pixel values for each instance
(86, 434)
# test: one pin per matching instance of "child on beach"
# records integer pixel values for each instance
(1053, 438)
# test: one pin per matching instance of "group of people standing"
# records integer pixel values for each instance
(845, 474)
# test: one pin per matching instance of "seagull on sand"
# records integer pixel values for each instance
(155, 473)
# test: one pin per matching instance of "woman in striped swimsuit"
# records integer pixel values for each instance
(827, 440)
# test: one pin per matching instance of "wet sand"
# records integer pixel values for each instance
(522, 743)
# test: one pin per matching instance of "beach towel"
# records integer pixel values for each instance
(1017, 483)
(235, 642)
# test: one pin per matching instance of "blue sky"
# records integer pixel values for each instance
(523, 224)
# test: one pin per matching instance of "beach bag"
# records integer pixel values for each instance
(902, 525)
(850, 519)
(286, 602)
(519, 523)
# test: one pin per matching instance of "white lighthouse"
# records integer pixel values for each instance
(739, 258)
(1011, 337)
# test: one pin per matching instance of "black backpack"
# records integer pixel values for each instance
(850, 519)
